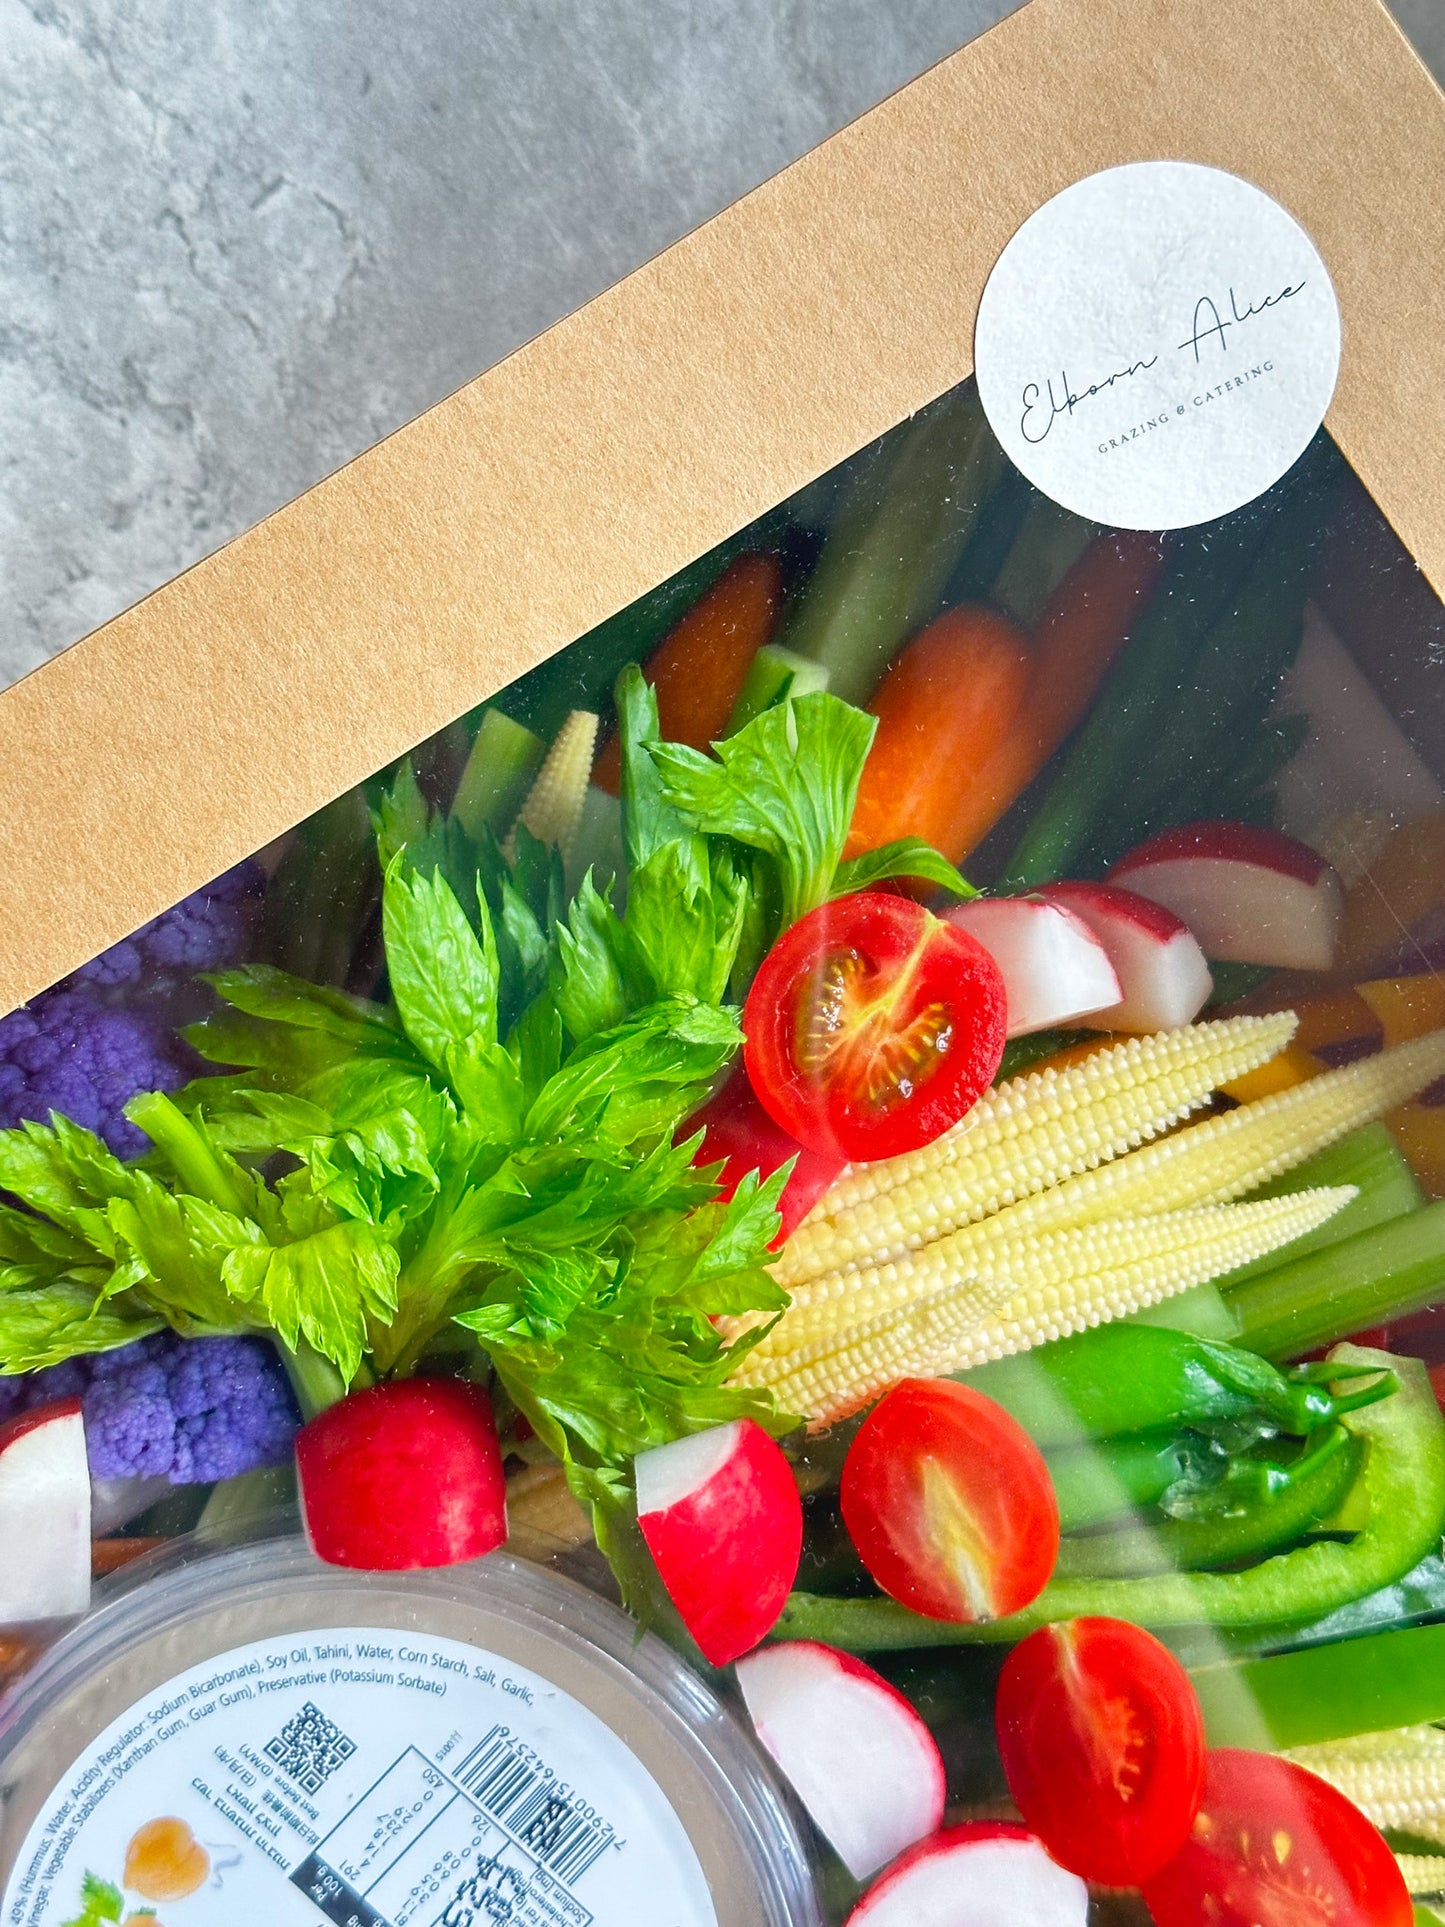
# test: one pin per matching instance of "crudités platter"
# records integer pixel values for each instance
(793, 1272)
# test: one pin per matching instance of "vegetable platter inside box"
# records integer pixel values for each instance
(724, 1094)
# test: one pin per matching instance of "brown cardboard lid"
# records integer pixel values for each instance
(786, 333)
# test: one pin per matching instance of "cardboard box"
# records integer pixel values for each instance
(795, 377)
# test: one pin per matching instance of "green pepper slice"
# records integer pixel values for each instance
(1403, 1480)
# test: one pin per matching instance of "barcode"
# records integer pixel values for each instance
(524, 1797)
(309, 1748)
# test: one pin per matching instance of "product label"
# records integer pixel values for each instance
(363, 1777)
(1157, 345)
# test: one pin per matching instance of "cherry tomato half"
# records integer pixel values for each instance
(1102, 1742)
(949, 1502)
(1275, 1846)
(872, 1026)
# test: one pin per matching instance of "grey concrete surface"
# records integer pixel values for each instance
(242, 239)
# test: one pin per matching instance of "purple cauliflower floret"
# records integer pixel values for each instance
(205, 931)
(64, 1052)
(109, 1031)
(191, 1410)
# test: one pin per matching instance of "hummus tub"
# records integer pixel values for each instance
(255, 1733)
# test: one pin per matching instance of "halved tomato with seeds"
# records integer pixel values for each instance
(872, 1026)
(1102, 1743)
(949, 1503)
(1275, 1846)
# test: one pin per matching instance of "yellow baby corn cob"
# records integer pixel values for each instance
(1036, 1254)
(1424, 1873)
(553, 808)
(1396, 1778)
(827, 1358)
(1024, 1136)
(1224, 1156)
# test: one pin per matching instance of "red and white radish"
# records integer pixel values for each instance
(403, 1475)
(1054, 968)
(44, 1514)
(723, 1521)
(740, 1133)
(986, 1873)
(1250, 895)
(1161, 968)
(859, 1758)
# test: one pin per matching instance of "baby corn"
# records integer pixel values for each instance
(553, 809)
(1396, 1778)
(1424, 1873)
(1036, 1219)
(989, 1294)
(1024, 1137)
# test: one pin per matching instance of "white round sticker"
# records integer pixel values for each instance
(370, 1778)
(1157, 345)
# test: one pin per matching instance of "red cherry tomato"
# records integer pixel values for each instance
(1275, 1846)
(1102, 1741)
(739, 1132)
(872, 1026)
(949, 1502)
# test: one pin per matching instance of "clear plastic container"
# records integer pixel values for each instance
(252, 1735)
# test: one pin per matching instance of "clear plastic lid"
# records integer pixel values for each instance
(253, 1730)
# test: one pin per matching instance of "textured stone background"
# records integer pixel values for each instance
(241, 239)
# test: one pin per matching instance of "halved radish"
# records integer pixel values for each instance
(1250, 895)
(740, 1133)
(1161, 969)
(723, 1521)
(986, 1873)
(403, 1475)
(1053, 967)
(44, 1514)
(860, 1759)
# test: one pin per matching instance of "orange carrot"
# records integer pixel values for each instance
(700, 666)
(109, 1555)
(946, 700)
(1084, 625)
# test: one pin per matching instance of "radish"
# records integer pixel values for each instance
(860, 1759)
(723, 1521)
(402, 1475)
(739, 1132)
(1054, 968)
(986, 1873)
(1161, 969)
(44, 1513)
(1250, 895)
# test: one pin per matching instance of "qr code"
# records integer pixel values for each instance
(309, 1748)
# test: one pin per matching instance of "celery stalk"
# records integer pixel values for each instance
(1047, 546)
(774, 674)
(1202, 1312)
(896, 541)
(1370, 1160)
(497, 775)
(1396, 1267)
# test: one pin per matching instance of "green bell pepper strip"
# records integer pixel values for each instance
(1093, 1483)
(1325, 1693)
(1139, 1378)
(1404, 1481)
(1311, 1488)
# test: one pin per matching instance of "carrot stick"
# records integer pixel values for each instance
(109, 1555)
(1084, 625)
(699, 667)
(945, 701)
